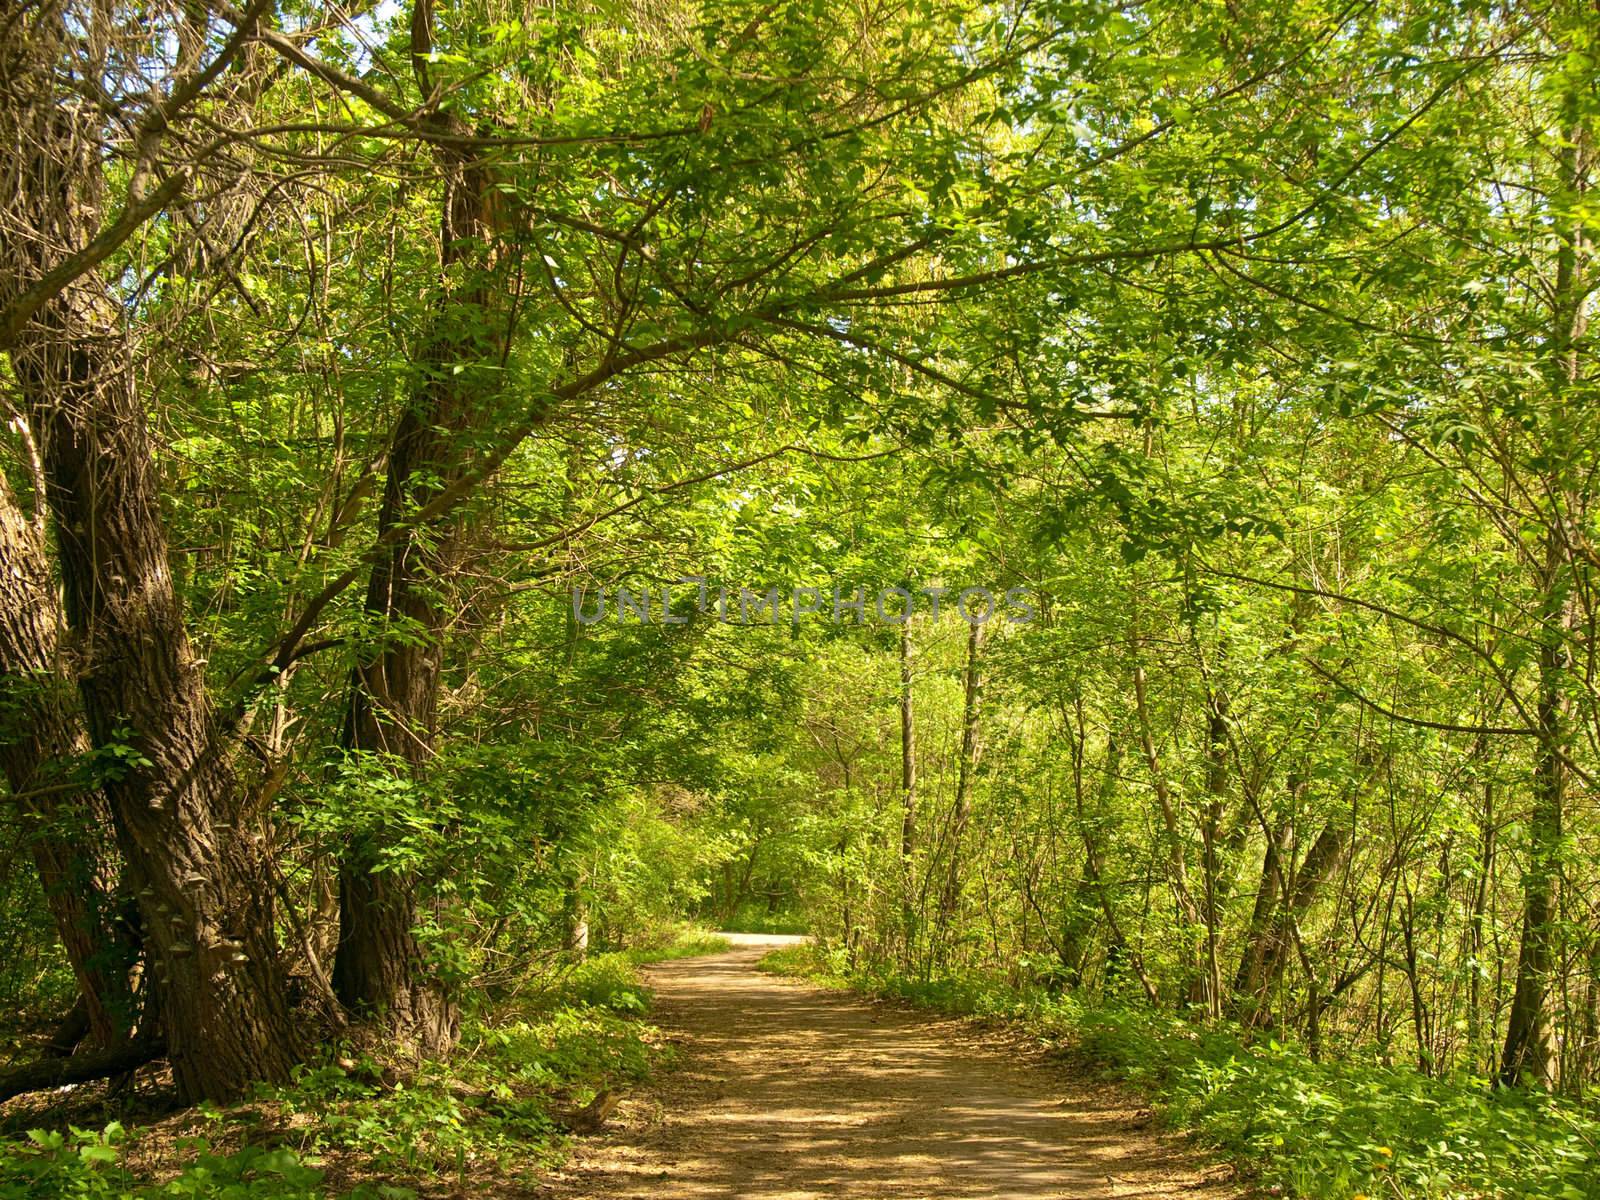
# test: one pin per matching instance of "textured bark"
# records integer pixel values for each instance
(1247, 978)
(41, 739)
(1271, 956)
(205, 891)
(1529, 1055)
(380, 968)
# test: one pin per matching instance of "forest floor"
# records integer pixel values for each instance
(785, 1090)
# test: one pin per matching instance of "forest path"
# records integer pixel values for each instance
(787, 1091)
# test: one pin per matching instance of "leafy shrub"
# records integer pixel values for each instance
(497, 1103)
(571, 1049)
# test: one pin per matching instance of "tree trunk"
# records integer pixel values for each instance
(381, 969)
(908, 792)
(1189, 915)
(1529, 1054)
(1247, 978)
(966, 766)
(205, 894)
(1210, 833)
(1325, 857)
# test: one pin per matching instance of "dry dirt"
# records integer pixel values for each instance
(786, 1091)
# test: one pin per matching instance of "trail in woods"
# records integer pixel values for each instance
(785, 1090)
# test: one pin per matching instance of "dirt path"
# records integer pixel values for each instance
(786, 1091)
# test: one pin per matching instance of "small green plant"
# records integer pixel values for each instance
(85, 1164)
(606, 981)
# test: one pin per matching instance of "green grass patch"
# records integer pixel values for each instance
(758, 920)
(805, 961)
(688, 943)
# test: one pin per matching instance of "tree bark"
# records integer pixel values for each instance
(1529, 1054)
(1247, 978)
(1210, 834)
(908, 792)
(1321, 862)
(80, 1068)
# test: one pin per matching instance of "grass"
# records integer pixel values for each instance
(687, 943)
(756, 919)
(1346, 1130)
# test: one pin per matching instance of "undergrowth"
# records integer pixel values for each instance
(1322, 1130)
(349, 1125)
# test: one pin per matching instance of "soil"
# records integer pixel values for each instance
(784, 1090)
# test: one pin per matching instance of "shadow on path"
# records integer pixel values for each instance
(787, 1091)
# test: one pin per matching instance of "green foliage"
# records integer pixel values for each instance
(501, 1104)
(806, 961)
(576, 1050)
(758, 918)
(1256, 339)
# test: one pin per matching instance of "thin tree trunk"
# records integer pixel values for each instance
(972, 691)
(1247, 978)
(1210, 832)
(1171, 817)
(908, 792)
(1529, 1054)
(1475, 920)
(1320, 864)
(1118, 946)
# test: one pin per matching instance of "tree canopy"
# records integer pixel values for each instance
(364, 365)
